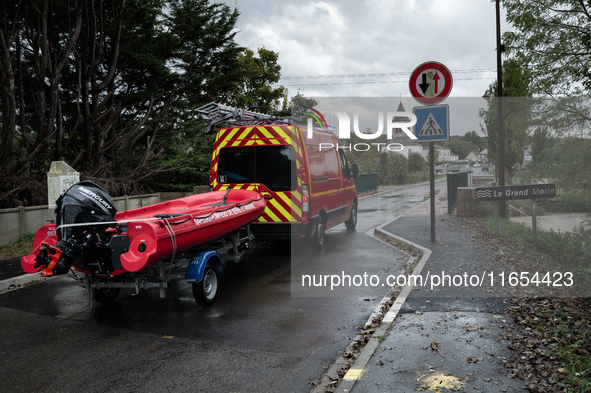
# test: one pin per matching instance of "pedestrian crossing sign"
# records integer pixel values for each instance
(432, 123)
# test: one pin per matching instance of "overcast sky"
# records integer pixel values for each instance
(369, 48)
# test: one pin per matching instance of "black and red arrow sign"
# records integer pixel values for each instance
(430, 83)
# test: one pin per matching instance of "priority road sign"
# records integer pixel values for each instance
(432, 123)
(430, 83)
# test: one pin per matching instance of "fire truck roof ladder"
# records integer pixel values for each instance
(217, 113)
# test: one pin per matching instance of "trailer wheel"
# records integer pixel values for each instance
(351, 223)
(320, 233)
(106, 295)
(206, 291)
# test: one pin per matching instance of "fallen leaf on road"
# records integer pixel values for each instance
(434, 345)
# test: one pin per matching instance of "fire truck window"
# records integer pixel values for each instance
(344, 165)
(237, 164)
(272, 166)
(276, 167)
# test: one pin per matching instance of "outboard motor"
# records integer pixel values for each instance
(82, 214)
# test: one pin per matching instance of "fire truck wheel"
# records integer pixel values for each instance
(205, 292)
(320, 233)
(352, 222)
(106, 295)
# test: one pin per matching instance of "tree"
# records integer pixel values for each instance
(476, 140)
(540, 141)
(459, 147)
(566, 163)
(516, 115)
(258, 74)
(397, 170)
(462, 145)
(552, 40)
(206, 68)
(36, 46)
(369, 161)
(109, 86)
(299, 106)
(416, 162)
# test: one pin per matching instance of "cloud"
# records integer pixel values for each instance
(352, 40)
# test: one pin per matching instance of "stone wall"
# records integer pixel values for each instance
(467, 205)
(482, 180)
(19, 221)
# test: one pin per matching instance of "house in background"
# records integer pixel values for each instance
(478, 157)
(408, 146)
(484, 155)
(472, 157)
(444, 152)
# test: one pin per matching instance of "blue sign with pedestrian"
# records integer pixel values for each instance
(432, 123)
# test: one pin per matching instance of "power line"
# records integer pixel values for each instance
(373, 82)
(381, 74)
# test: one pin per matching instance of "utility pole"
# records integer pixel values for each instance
(500, 133)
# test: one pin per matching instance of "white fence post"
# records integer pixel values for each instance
(60, 177)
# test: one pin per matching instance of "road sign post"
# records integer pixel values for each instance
(430, 83)
(432, 187)
(534, 224)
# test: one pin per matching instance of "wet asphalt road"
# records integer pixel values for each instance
(256, 337)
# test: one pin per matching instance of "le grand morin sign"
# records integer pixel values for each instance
(533, 191)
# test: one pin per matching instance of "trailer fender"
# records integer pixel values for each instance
(196, 267)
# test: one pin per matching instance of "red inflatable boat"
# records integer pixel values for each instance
(95, 239)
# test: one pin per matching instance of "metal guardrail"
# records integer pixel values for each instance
(366, 182)
(455, 180)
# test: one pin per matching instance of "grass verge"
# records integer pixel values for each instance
(555, 346)
(554, 349)
(562, 252)
(18, 248)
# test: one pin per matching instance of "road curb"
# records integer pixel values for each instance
(20, 281)
(356, 370)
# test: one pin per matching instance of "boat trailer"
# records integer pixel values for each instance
(201, 268)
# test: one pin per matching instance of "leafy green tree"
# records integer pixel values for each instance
(436, 154)
(299, 105)
(552, 40)
(416, 162)
(566, 163)
(397, 170)
(516, 115)
(207, 68)
(369, 161)
(459, 147)
(258, 74)
(541, 140)
(476, 140)
(111, 87)
(462, 145)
